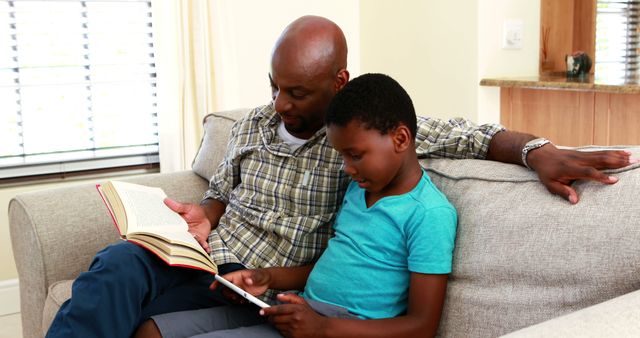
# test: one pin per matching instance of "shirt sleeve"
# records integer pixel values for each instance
(430, 241)
(455, 138)
(227, 175)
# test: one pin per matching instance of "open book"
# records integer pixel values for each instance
(142, 218)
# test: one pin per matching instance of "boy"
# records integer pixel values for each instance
(384, 273)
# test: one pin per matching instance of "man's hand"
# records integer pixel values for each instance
(296, 319)
(558, 168)
(196, 218)
(255, 282)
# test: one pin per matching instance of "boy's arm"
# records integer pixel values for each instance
(289, 278)
(257, 281)
(426, 298)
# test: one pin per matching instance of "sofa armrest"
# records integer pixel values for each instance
(617, 317)
(56, 232)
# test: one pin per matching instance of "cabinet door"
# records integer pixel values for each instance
(565, 117)
(617, 119)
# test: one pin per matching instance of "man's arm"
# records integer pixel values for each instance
(558, 168)
(454, 138)
(201, 219)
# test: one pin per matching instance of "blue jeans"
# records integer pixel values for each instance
(127, 284)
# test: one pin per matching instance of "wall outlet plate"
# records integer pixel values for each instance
(512, 34)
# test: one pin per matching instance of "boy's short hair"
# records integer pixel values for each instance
(376, 100)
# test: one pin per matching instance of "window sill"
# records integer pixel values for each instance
(151, 168)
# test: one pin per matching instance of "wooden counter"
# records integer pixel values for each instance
(571, 112)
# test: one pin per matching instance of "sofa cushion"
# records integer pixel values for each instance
(57, 294)
(617, 317)
(524, 256)
(217, 127)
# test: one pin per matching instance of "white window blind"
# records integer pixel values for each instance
(617, 39)
(77, 86)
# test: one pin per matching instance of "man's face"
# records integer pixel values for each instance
(370, 158)
(301, 96)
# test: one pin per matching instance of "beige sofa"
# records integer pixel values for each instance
(522, 256)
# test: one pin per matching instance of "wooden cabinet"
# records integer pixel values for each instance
(616, 119)
(572, 117)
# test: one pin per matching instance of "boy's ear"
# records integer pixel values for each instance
(402, 139)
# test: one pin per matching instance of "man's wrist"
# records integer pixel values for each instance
(530, 147)
(213, 210)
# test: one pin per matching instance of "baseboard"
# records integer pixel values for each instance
(10, 295)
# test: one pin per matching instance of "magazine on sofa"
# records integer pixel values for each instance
(141, 217)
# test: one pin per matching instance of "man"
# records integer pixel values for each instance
(279, 186)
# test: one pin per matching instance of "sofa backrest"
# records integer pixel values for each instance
(522, 255)
(217, 129)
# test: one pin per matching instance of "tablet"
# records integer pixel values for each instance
(241, 292)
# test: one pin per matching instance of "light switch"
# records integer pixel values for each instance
(512, 34)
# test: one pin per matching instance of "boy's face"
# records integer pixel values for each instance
(370, 158)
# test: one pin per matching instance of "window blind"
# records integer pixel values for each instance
(77, 86)
(617, 39)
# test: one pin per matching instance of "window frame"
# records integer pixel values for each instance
(88, 160)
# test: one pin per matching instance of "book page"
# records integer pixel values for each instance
(177, 260)
(145, 208)
(174, 248)
(183, 238)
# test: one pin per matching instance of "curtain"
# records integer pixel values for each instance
(186, 85)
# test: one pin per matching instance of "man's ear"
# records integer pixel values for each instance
(402, 139)
(342, 77)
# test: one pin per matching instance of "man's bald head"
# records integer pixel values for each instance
(308, 68)
(314, 43)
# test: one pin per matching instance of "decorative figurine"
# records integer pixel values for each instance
(578, 64)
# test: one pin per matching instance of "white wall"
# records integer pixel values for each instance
(427, 46)
(439, 51)
(493, 61)
(246, 31)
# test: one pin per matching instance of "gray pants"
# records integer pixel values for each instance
(242, 321)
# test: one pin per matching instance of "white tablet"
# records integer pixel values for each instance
(241, 292)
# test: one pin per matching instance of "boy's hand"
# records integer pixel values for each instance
(194, 215)
(296, 319)
(255, 282)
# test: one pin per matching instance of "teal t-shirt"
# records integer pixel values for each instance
(367, 265)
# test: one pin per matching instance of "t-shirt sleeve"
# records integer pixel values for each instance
(430, 240)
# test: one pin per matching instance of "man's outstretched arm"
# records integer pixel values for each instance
(558, 168)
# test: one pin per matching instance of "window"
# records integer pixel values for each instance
(77, 86)
(617, 39)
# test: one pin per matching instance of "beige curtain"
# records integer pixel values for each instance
(183, 31)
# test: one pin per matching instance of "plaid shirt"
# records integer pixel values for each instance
(280, 202)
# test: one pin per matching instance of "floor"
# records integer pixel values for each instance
(10, 326)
